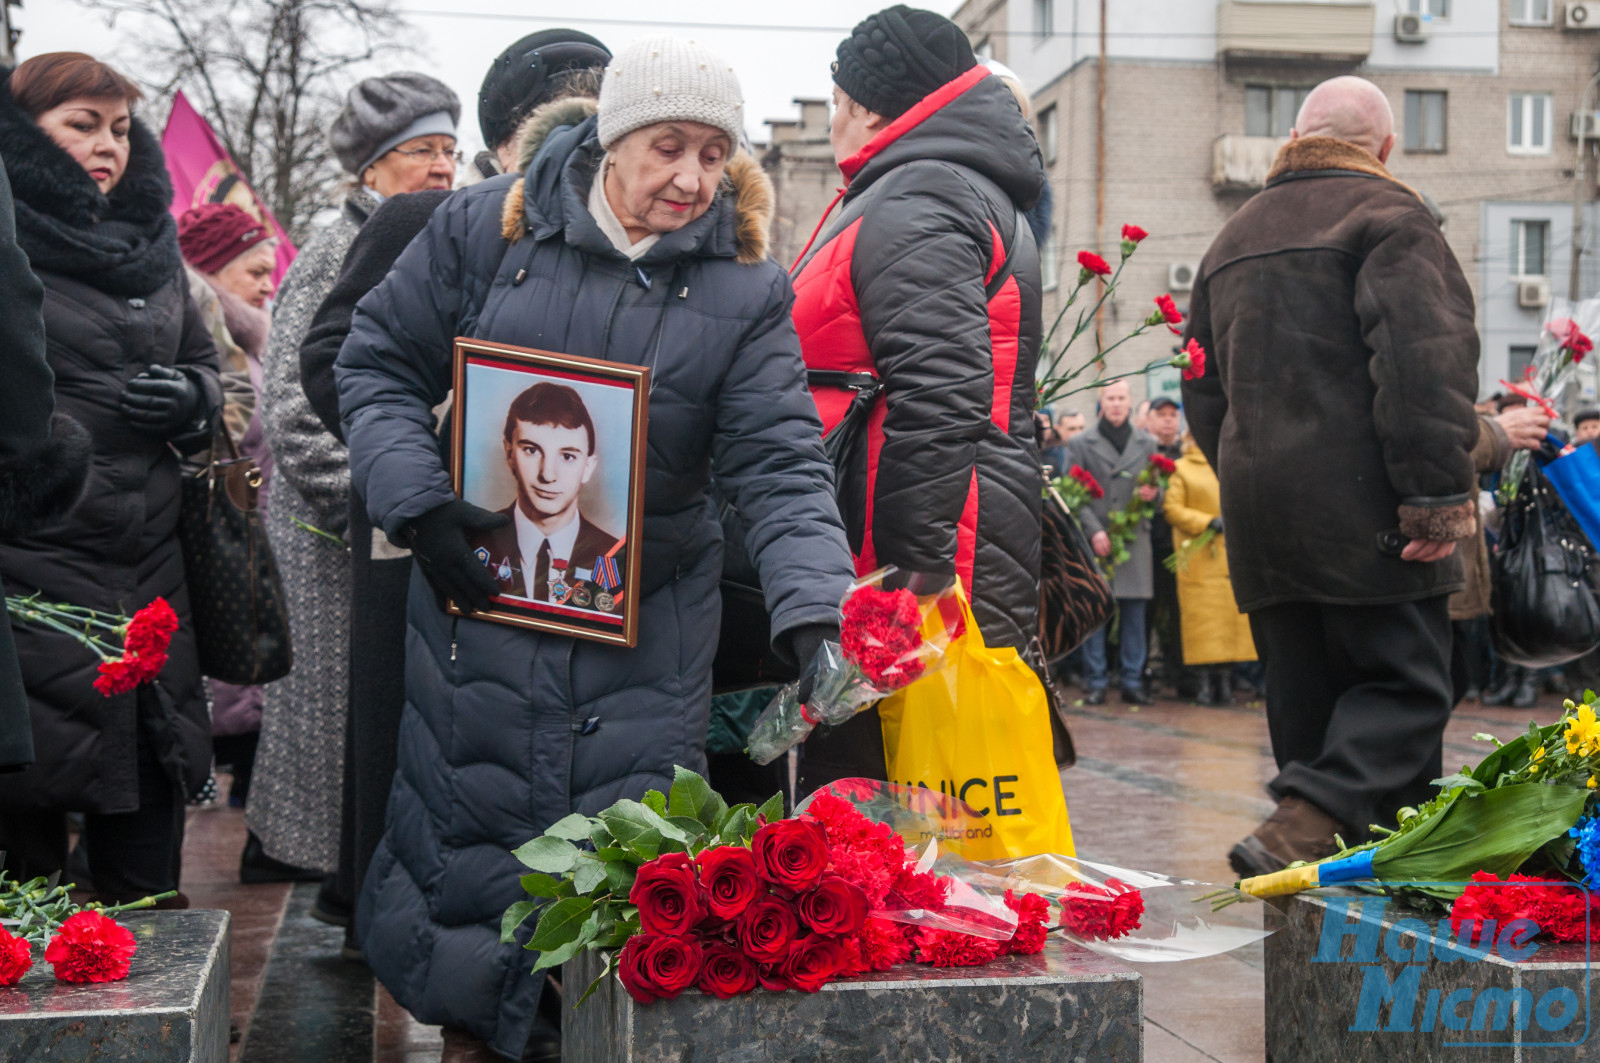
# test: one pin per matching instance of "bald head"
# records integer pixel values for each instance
(1351, 109)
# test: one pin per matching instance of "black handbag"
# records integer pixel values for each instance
(241, 617)
(1542, 586)
(1075, 599)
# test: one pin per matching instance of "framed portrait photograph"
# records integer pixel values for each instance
(557, 443)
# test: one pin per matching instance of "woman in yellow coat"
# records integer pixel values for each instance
(1215, 633)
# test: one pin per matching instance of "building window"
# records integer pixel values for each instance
(1049, 274)
(1528, 117)
(1530, 248)
(1044, 18)
(1047, 133)
(1269, 110)
(1518, 360)
(1530, 12)
(1436, 8)
(1425, 111)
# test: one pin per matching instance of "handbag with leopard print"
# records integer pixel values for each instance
(1075, 599)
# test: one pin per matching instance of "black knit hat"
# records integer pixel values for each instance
(893, 59)
(520, 78)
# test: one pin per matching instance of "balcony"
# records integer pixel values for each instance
(1240, 164)
(1337, 32)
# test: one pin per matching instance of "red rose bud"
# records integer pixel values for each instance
(836, 906)
(729, 875)
(90, 947)
(725, 971)
(1163, 464)
(16, 957)
(792, 853)
(669, 895)
(1091, 265)
(767, 928)
(654, 967)
(1131, 235)
(812, 963)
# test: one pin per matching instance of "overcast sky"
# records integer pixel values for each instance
(453, 44)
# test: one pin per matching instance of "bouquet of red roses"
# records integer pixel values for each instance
(684, 891)
(887, 641)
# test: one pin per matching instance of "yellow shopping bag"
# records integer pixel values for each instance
(979, 728)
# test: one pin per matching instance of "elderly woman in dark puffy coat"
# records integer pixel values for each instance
(133, 364)
(639, 236)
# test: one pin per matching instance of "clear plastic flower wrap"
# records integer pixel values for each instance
(888, 639)
(1131, 915)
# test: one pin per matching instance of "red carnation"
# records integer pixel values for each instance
(729, 876)
(1101, 913)
(1033, 911)
(1086, 478)
(836, 906)
(16, 956)
(792, 853)
(1133, 234)
(947, 948)
(1570, 338)
(881, 634)
(882, 944)
(151, 629)
(1163, 464)
(1167, 313)
(90, 947)
(118, 676)
(767, 928)
(654, 967)
(812, 963)
(725, 971)
(1192, 360)
(669, 895)
(918, 890)
(1091, 265)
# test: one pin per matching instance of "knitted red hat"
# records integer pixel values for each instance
(214, 234)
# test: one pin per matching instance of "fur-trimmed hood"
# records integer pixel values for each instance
(744, 183)
(1308, 154)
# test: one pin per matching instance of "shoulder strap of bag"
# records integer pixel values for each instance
(1003, 274)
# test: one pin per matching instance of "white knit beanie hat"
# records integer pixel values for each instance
(666, 79)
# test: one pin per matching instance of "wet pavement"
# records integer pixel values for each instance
(1167, 788)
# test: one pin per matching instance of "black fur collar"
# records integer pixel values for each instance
(125, 243)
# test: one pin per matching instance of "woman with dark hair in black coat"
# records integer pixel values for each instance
(134, 365)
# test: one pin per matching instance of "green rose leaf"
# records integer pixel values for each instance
(515, 916)
(587, 934)
(573, 828)
(560, 923)
(772, 809)
(693, 797)
(737, 826)
(656, 801)
(619, 877)
(588, 873)
(640, 829)
(551, 855)
(542, 885)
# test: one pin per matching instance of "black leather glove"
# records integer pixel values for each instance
(1216, 525)
(162, 402)
(438, 540)
(802, 644)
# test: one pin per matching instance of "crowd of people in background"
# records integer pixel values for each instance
(409, 750)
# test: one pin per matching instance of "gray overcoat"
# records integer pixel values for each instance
(1135, 577)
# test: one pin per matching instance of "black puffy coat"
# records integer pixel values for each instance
(929, 280)
(506, 730)
(115, 302)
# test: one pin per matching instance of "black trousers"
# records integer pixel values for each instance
(854, 749)
(1357, 700)
(131, 854)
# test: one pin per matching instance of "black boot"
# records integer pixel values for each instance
(1224, 684)
(1207, 694)
(1527, 691)
(255, 866)
(1502, 694)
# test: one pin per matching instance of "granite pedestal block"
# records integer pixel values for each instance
(172, 1007)
(1354, 978)
(1065, 1004)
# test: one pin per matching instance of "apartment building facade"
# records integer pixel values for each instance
(1195, 96)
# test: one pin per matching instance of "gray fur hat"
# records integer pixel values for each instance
(382, 112)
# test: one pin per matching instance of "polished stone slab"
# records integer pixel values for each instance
(172, 1007)
(1064, 1004)
(1345, 984)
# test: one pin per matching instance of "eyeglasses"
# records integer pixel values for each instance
(425, 156)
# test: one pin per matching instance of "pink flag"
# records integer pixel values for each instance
(203, 172)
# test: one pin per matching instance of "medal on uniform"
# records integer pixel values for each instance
(559, 588)
(605, 602)
(482, 554)
(581, 596)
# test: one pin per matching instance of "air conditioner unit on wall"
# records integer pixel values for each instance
(1533, 293)
(1581, 15)
(1412, 29)
(1589, 121)
(1180, 276)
